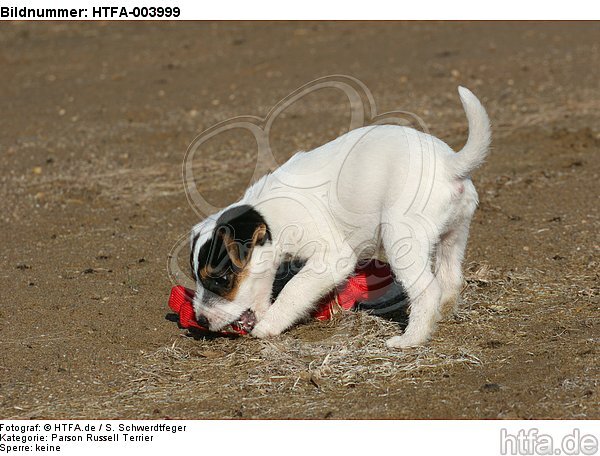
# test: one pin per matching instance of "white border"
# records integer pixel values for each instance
(345, 438)
(349, 10)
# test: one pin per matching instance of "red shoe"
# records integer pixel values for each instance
(369, 282)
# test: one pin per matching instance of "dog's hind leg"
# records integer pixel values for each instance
(448, 269)
(414, 270)
(450, 251)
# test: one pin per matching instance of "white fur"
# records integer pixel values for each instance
(381, 191)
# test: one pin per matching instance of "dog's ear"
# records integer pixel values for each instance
(240, 250)
(242, 228)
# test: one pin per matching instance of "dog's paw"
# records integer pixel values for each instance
(264, 329)
(404, 341)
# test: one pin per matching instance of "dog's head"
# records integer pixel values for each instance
(230, 262)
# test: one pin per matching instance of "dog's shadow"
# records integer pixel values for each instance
(392, 306)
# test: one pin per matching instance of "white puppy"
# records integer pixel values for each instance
(385, 191)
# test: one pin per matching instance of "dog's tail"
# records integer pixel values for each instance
(473, 154)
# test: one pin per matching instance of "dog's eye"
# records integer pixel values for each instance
(222, 280)
(219, 283)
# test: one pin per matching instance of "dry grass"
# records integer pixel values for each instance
(352, 352)
(325, 359)
(317, 357)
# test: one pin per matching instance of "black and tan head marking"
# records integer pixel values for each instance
(223, 259)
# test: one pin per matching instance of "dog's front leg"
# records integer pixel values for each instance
(300, 295)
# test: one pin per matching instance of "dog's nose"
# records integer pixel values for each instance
(202, 321)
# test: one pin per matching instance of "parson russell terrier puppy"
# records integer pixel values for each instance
(382, 191)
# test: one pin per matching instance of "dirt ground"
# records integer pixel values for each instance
(96, 119)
